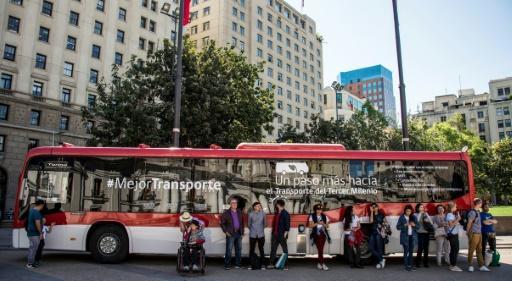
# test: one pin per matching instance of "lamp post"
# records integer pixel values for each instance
(401, 86)
(179, 62)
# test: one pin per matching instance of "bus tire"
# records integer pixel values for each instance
(109, 244)
(366, 254)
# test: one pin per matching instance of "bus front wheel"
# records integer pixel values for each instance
(109, 244)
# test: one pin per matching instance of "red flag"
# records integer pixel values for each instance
(186, 15)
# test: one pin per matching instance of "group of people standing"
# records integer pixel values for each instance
(415, 229)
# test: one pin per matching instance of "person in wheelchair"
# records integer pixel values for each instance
(193, 240)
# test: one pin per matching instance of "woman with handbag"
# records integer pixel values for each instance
(424, 228)
(353, 237)
(319, 224)
(442, 244)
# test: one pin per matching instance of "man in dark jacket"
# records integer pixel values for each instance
(232, 225)
(280, 229)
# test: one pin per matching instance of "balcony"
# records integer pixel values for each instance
(38, 98)
(6, 92)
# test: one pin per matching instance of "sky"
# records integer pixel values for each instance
(442, 40)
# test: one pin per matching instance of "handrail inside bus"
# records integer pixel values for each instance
(290, 146)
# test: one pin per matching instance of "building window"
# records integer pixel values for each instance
(242, 45)
(118, 59)
(153, 6)
(100, 5)
(2, 143)
(65, 95)
(91, 101)
(13, 24)
(206, 26)
(96, 51)
(279, 104)
(73, 18)
(152, 26)
(144, 3)
(193, 29)
(501, 135)
(504, 91)
(37, 89)
(206, 11)
(234, 27)
(6, 81)
(88, 126)
(443, 118)
(151, 46)
(259, 53)
(93, 76)
(17, 2)
(143, 22)
(289, 108)
(68, 69)
(242, 31)
(233, 41)
(508, 123)
(98, 27)
(35, 117)
(47, 8)
(71, 43)
(4, 111)
(44, 34)
(120, 36)
(121, 14)
(40, 61)
(33, 143)
(206, 40)
(259, 38)
(234, 12)
(259, 10)
(142, 43)
(500, 124)
(480, 114)
(242, 16)
(481, 127)
(64, 122)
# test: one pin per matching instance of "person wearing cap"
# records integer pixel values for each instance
(34, 231)
(194, 238)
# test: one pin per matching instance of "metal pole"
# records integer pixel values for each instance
(401, 86)
(177, 83)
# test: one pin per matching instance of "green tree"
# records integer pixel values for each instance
(499, 170)
(220, 103)
(289, 134)
(369, 128)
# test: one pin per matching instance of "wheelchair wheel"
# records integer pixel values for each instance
(179, 260)
(203, 263)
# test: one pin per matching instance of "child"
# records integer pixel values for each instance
(194, 238)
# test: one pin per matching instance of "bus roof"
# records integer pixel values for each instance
(247, 151)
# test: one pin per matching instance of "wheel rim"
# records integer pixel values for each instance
(108, 244)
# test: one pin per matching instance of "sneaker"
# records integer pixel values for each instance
(471, 268)
(195, 268)
(324, 267)
(455, 268)
(270, 267)
(285, 269)
(319, 266)
(378, 266)
(263, 268)
(414, 268)
(249, 268)
(37, 264)
(484, 268)
(383, 263)
(186, 268)
(237, 267)
(30, 266)
(227, 268)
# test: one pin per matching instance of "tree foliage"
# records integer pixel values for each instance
(220, 103)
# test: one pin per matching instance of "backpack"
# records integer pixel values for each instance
(464, 219)
(314, 231)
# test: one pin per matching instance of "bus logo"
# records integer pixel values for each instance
(284, 168)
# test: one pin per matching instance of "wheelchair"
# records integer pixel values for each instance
(181, 257)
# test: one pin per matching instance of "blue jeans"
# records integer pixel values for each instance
(32, 249)
(236, 240)
(408, 252)
(377, 246)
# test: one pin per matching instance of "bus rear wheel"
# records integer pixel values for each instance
(109, 244)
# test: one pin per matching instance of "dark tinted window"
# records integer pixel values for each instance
(206, 185)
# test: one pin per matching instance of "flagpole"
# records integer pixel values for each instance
(177, 82)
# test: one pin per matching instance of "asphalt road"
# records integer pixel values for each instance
(80, 266)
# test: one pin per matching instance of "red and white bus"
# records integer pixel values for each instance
(114, 201)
